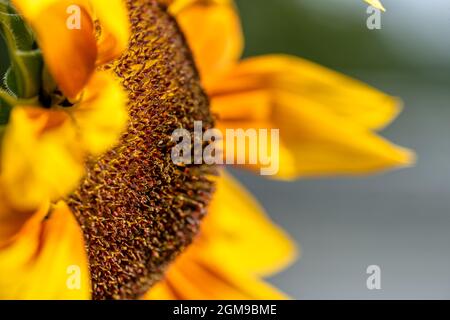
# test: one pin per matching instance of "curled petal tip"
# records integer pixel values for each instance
(376, 4)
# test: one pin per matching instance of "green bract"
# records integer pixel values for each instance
(21, 82)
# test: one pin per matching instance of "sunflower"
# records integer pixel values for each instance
(94, 208)
(327, 123)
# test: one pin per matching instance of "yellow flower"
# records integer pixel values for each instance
(135, 210)
(46, 143)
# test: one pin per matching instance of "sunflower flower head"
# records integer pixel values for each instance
(126, 210)
(82, 188)
(157, 205)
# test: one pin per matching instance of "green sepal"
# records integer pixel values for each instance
(24, 38)
(6, 104)
(25, 75)
(10, 82)
(27, 70)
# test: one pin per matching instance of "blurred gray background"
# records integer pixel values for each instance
(398, 220)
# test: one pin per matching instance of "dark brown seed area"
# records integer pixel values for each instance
(136, 208)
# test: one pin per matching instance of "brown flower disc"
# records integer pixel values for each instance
(137, 209)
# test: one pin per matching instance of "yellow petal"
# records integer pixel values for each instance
(161, 291)
(44, 260)
(32, 8)
(196, 278)
(41, 158)
(12, 220)
(340, 94)
(70, 54)
(376, 4)
(115, 28)
(325, 119)
(320, 143)
(236, 245)
(213, 31)
(101, 116)
(44, 149)
(241, 235)
(315, 142)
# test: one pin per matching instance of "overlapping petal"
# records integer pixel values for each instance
(46, 259)
(115, 28)
(241, 234)
(213, 31)
(196, 278)
(101, 116)
(236, 246)
(325, 119)
(43, 150)
(40, 157)
(71, 54)
(256, 77)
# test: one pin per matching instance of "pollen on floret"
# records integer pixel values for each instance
(137, 209)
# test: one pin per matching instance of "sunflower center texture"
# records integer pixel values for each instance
(137, 209)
